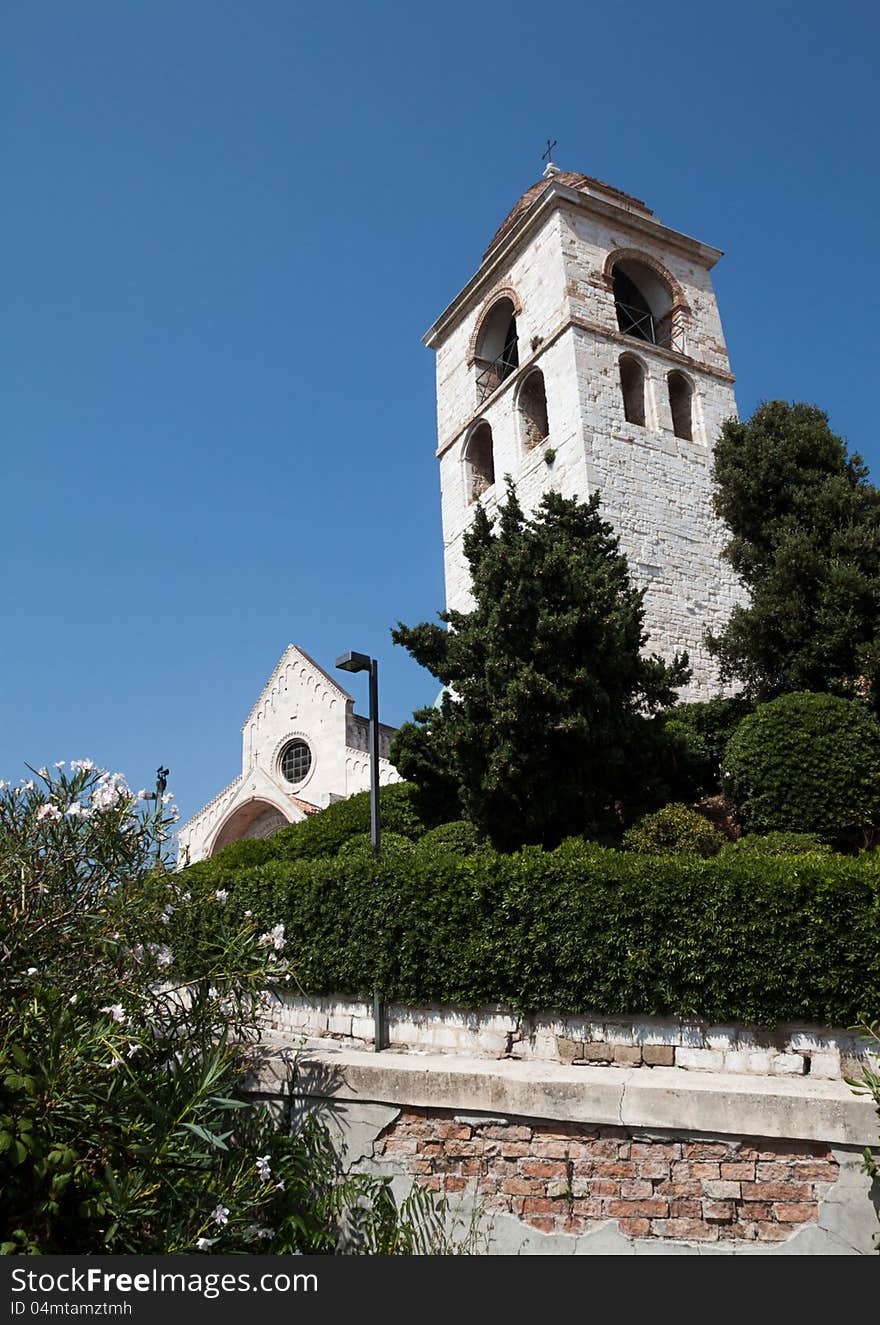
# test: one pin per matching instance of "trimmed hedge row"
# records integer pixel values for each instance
(578, 929)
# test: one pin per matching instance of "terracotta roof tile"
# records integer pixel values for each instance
(574, 180)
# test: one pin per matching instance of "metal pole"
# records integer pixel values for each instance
(374, 756)
(378, 1009)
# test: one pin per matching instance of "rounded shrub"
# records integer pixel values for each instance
(360, 846)
(777, 844)
(458, 837)
(807, 763)
(674, 828)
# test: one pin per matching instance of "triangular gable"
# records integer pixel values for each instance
(293, 651)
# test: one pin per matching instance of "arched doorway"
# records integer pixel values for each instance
(258, 818)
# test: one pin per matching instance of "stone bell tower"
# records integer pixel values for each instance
(586, 354)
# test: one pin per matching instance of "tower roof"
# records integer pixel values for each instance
(574, 180)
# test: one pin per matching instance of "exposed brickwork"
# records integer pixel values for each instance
(564, 1177)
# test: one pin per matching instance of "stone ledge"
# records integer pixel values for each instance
(709, 1103)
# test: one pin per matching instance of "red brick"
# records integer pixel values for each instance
(400, 1145)
(555, 1150)
(604, 1148)
(682, 1208)
(514, 1149)
(603, 1187)
(739, 1172)
(462, 1148)
(719, 1212)
(688, 1229)
(706, 1150)
(543, 1168)
(779, 1171)
(471, 1167)
(653, 1209)
(655, 1150)
(795, 1214)
(420, 1166)
(454, 1184)
(653, 1168)
(814, 1170)
(522, 1187)
(537, 1205)
(635, 1228)
(543, 1223)
(590, 1209)
(679, 1189)
(773, 1232)
(507, 1133)
(453, 1131)
(635, 1189)
(775, 1191)
(686, 1170)
(609, 1169)
(739, 1231)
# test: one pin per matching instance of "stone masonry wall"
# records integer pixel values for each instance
(566, 1177)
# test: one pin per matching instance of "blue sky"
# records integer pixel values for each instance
(226, 228)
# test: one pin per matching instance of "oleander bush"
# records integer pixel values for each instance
(125, 1127)
(675, 828)
(807, 763)
(731, 938)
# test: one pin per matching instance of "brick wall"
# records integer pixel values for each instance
(566, 1177)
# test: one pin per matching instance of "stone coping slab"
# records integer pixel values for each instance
(711, 1103)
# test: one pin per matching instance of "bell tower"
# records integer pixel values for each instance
(586, 355)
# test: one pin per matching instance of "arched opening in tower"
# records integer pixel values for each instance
(643, 303)
(497, 352)
(480, 462)
(533, 410)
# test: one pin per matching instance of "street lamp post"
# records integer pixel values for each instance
(362, 662)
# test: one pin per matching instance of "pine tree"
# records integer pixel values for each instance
(805, 539)
(546, 685)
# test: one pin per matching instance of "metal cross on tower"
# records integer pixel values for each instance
(545, 156)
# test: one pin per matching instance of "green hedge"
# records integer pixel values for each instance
(731, 938)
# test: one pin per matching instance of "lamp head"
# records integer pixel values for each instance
(353, 662)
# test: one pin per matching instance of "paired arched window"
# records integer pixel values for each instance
(497, 349)
(533, 410)
(643, 303)
(632, 388)
(681, 405)
(479, 462)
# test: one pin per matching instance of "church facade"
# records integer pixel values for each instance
(587, 355)
(303, 746)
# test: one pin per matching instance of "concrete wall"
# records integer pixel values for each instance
(557, 1159)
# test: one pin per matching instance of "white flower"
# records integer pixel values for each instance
(264, 1168)
(168, 798)
(48, 811)
(164, 956)
(117, 1013)
(142, 796)
(28, 786)
(273, 939)
(43, 772)
(3, 784)
(167, 913)
(77, 811)
(73, 998)
(202, 1244)
(132, 1049)
(220, 1214)
(248, 914)
(59, 763)
(222, 896)
(82, 765)
(31, 970)
(280, 1184)
(186, 897)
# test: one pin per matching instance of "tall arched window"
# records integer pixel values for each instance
(643, 303)
(497, 350)
(632, 388)
(681, 405)
(479, 462)
(533, 410)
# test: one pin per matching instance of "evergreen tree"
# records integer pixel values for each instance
(805, 539)
(546, 682)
